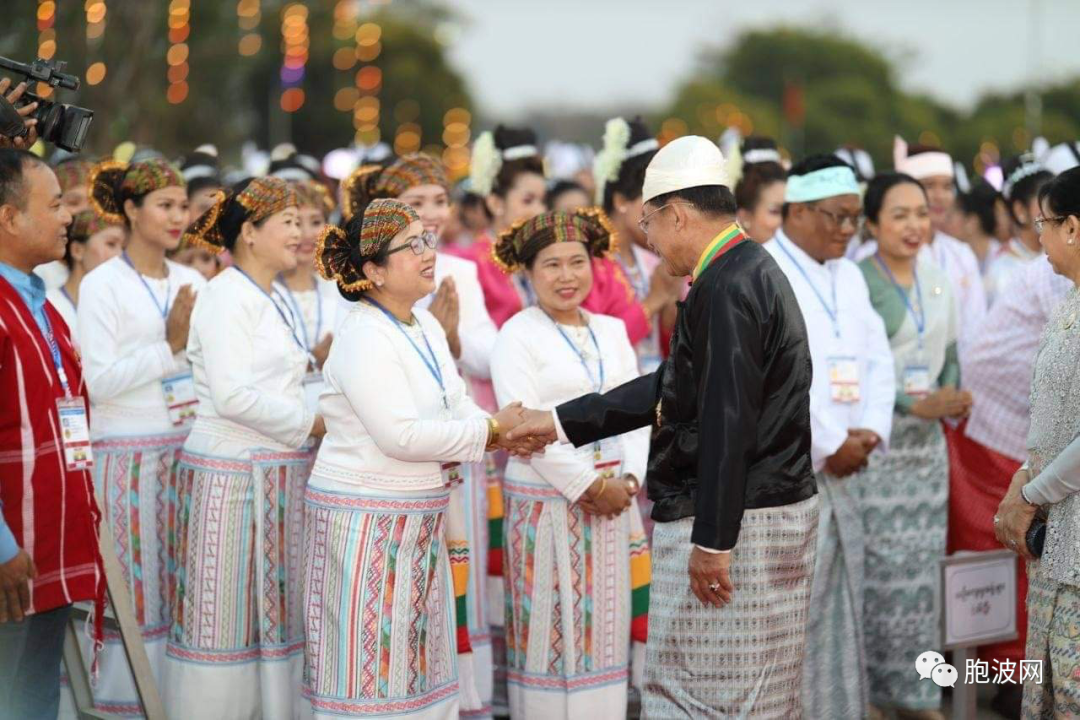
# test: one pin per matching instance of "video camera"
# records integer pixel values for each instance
(65, 126)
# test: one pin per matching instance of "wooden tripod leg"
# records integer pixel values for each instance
(130, 632)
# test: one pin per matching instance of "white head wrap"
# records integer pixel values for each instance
(820, 184)
(689, 161)
(920, 166)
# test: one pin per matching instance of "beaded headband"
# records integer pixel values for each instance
(340, 257)
(263, 197)
(589, 226)
(112, 180)
(369, 182)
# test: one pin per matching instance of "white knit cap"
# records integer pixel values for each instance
(689, 161)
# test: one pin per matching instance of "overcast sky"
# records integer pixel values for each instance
(594, 54)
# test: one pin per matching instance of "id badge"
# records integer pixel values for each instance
(843, 379)
(917, 380)
(180, 398)
(75, 433)
(313, 387)
(452, 475)
(607, 469)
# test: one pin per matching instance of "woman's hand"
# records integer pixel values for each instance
(178, 324)
(447, 310)
(608, 499)
(322, 350)
(946, 402)
(318, 429)
(1014, 516)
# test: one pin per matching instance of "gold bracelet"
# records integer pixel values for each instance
(493, 434)
(603, 487)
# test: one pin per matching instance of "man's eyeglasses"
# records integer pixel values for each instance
(1040, 222)
(643, 223)
(839, 220)
(418, 244)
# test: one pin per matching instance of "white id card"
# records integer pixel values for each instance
(180, 398)
(843, 379)
(917, 380)
(75, 433)
(313, 387)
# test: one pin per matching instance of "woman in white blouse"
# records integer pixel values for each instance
(133, 313)
(91, 242)
(383, 528)
(235, 646)
(569, 544)
(420, 182)
(312, 300)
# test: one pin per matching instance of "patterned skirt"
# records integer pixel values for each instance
(135, 479)
(379, 602)
(569, 605)
(477, 478)
(1052, 678)
(236, 644)
(904, 496)
(746, 658)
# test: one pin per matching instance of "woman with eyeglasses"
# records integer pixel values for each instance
(457, 303)
(1047, 486)
(576, 561)
(386, 540)
(235, 645)
(904, 493)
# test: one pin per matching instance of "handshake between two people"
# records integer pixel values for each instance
(523, 432)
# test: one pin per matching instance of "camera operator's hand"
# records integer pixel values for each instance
(30, 138)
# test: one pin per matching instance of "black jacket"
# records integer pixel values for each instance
(733, 425)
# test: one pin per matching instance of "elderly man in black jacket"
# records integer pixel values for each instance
(730, 469)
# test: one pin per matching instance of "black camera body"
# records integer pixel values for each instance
(63, 125)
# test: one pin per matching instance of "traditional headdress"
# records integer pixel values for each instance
(921, 165)
(312, 193)
(261, 198)
(492, 149)
(525, 238)
(622, 141)
(200, 163)
(86, 224)
(858, 159)
(72, 173)
(288, 164)
(820, 184)
(1026, 166)
(340, 255)
(370, 182)
(686, 162)
(1059, 158)
(112, 181)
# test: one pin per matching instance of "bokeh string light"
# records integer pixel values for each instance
(295, 44)
(456, 136)
(46, 24)
(367, 108)
(177, 55)
(95, 33)
(248, 17)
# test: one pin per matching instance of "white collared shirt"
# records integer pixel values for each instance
(861, 338)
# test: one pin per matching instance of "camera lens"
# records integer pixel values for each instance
(49, 117)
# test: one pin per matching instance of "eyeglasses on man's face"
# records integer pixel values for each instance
(839, 219)
(643, 223)
(418, 244)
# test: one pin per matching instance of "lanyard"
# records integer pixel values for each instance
(64, 292)
(918, 316)
(834, 311)
(641, 285)
(168, 288)
(431, 362)
(281, 314)
(300, 315)
(581, 356)
(54, 350)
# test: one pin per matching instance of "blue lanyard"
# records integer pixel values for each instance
(431, 362)
(920, 316)
(581, 356)
(291, 326)
(834, 311)
(64, 292)
(300, 315)
(641, 286)
(54, 350)
(168, 288)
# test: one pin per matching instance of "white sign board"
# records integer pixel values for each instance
(978, 598)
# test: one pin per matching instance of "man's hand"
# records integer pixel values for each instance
(849, 458)
(537, 424)
(868, 438)
(524, 446)
(30, 138)
(15, 577)
(447, 310)
(709, 577)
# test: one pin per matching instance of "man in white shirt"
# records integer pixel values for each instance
(851, 406)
